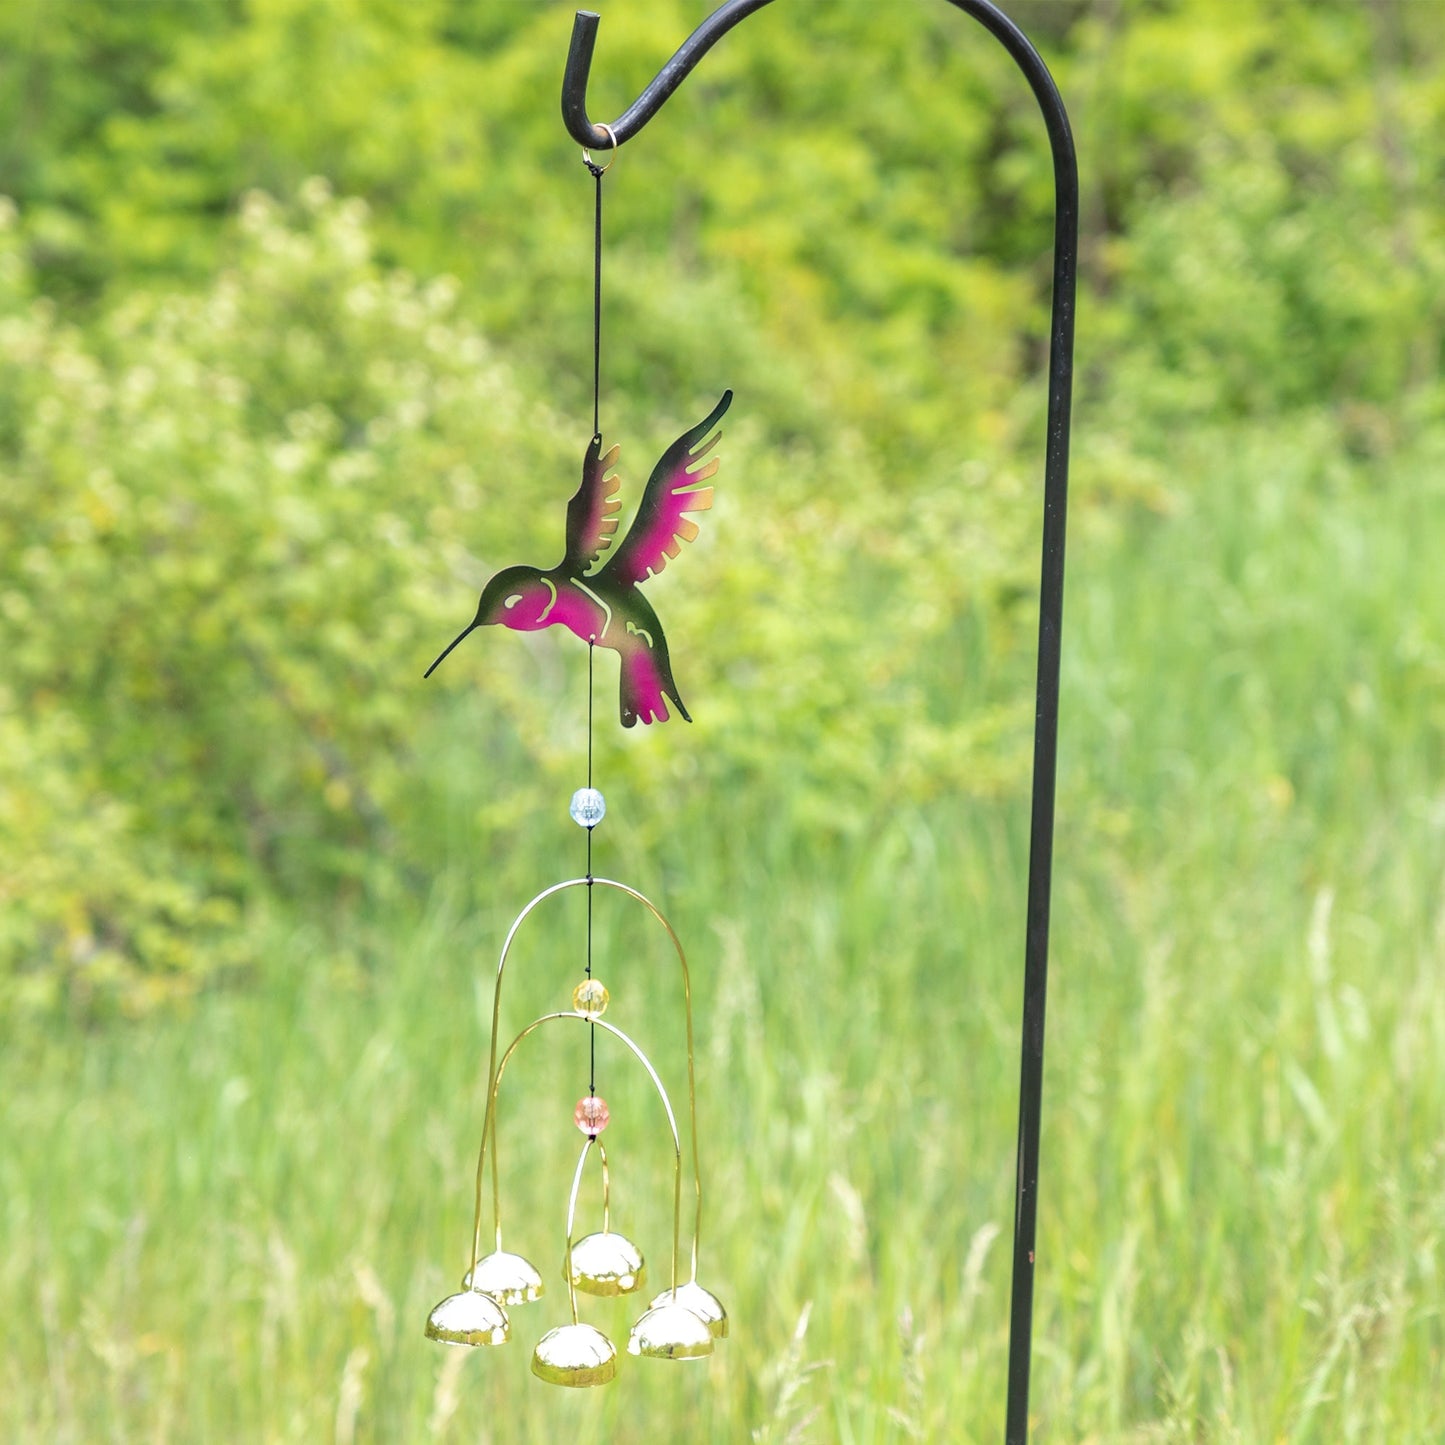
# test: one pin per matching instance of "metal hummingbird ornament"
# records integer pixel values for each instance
(605, 608)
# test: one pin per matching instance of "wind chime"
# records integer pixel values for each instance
(605, 608)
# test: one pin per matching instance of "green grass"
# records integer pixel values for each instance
(230, 1223)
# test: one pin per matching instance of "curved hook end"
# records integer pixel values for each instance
(574, 82)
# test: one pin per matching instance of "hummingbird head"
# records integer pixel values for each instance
(518, 597)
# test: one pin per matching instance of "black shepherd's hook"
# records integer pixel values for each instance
(1051, 587)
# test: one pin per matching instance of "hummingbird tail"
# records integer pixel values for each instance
(646, 680)
(463, 633)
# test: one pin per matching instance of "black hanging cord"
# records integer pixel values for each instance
(591, 1028)
(596, 291)
(597, 173)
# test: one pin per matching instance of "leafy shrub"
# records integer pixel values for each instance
(226, 521)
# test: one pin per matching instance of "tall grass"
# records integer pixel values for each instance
(230, 1224)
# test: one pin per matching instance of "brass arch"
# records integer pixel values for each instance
(488, 1121)
(492, 1094)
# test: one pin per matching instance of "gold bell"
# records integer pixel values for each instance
(607, 1264)
(508, 1278)
(705, 1305)
(576, 1355)
(468, 1318)
(670, 1332)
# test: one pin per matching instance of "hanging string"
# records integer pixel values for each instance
(597, 173)
(596, 292)
(591, 1028)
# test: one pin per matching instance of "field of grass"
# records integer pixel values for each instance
(229, 1222)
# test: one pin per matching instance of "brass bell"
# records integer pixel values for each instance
(468, 1318)
(704, 1304)
(508, 1278)
(670, 1332)
(607, 1264)
(576, 1355)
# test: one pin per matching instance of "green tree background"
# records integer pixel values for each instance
(295, 350)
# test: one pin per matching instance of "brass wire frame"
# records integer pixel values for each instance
(491, 1114)
(572, 1213)
(606, 1189)
(489, 1117)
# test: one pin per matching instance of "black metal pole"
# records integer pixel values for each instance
(1051, 584)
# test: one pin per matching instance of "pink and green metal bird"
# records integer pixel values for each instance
(606, 607)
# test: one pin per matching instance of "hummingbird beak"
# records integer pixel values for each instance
(465, 632)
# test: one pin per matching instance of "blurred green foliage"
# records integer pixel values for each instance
(241, 511)
(210, 570)
(881, 186)
(254, 468)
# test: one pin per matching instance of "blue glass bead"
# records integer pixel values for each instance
(587, 807)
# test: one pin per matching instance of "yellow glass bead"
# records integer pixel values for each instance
(590, 997)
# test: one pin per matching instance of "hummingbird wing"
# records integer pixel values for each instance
(661, 526)
(592, 512)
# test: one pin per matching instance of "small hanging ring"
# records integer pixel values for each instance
(611, 154)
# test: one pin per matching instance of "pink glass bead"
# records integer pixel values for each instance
(591, 1115)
